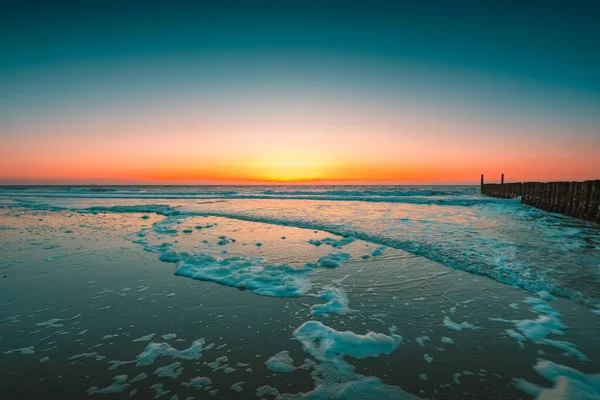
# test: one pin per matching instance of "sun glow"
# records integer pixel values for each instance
(288, 166)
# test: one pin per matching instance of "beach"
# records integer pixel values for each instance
(293, 292)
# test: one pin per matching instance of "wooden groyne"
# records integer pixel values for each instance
(576, 199)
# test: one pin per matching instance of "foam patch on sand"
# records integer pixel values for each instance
(568, 383)
(172, 371)
(198, 382)
(55, 322)
(281, 362)
(117, 386)
(334, 378)
(87, 355)
(325, 343)
(448, 323)
(545, 295)
(165, 226)
(156, 350)
(237, 387)
(422, 339)
(22, 350)
(220, 364)
(337, 302)
(537, 330)
(140, 377)
(159, 390)
(333, 260)
(246, 273)
(379, 251)
(146, 338)
(267, 390)
(337, 243)
(156, 248)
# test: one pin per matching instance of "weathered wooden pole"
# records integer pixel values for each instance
(502, 180)
(481, 183)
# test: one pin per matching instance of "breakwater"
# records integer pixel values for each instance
(576, 199)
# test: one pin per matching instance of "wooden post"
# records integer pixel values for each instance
(502, 180)
(481, 183)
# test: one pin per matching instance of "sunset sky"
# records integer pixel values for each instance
(298, 91)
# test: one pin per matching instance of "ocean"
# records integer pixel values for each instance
(307, 292)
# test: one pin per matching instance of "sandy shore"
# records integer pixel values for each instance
(78, 289)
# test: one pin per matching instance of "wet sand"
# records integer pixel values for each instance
(85, 270)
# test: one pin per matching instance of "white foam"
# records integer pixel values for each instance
(164, 226)
(155, 350)
(114, 364)
(162, 248)
(172, 256)
(172, 371)
(169, 336)
(517, 336)
(109, 336)
(82, 355)
(568, 383)
(448, 323)
(267, 390)
(333, 260)
(548, 322)
(337, 302)
(325, 343)
(545, 295)
(237, 387)
(422, 339)
(246, 273)
(220, 363)
(140, 377)
(54, 322)
(117, 386)
(337, 243)
(22, 350)
(159, 390)
(281, 362)
(198, 382)
(146, 338)
(447, 340)
(360, 387)
(379, 251)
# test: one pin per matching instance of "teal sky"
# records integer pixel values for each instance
(534, 64)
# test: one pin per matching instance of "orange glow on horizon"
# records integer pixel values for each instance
(283, 146)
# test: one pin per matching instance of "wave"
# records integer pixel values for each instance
(489, 257)
(357, 193)
(452, 200)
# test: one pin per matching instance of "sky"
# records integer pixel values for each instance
(223, 92)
